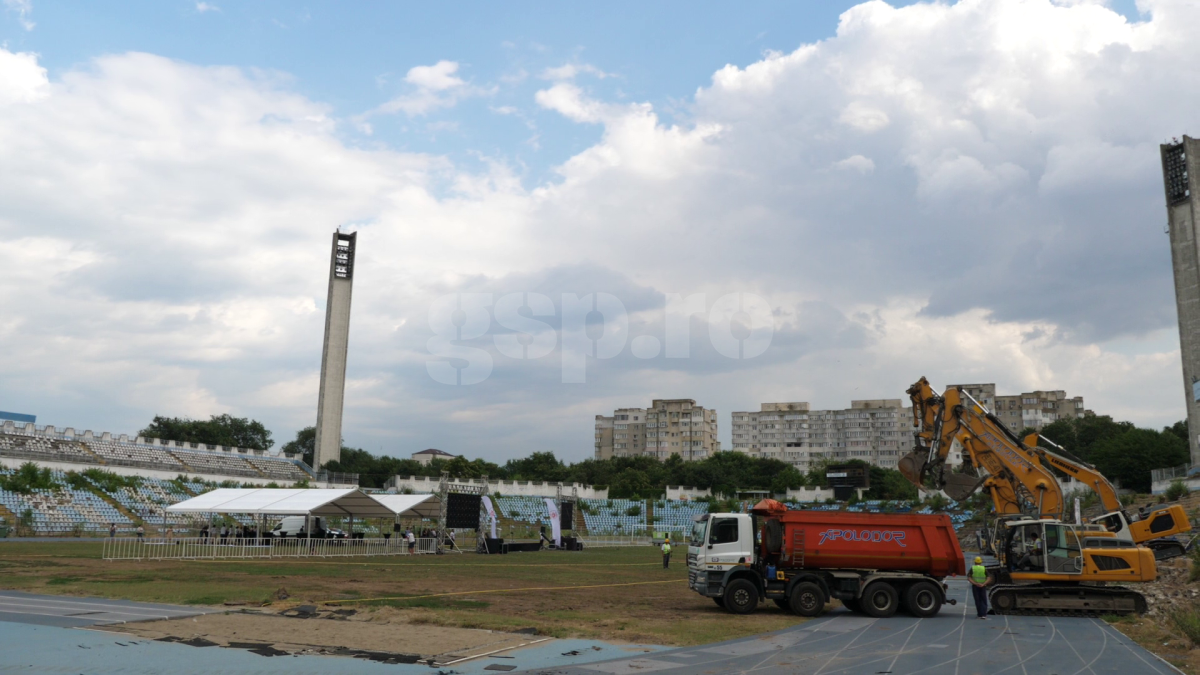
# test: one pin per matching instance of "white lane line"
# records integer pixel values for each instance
(1023, 661)
(12, 608)
(839, 652)
(1106, 628)
(1087, 665)
(903, 646)
(95, 620)
(962, 630)
(87, 604)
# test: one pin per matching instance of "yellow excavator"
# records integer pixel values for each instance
(1154, 530)
(1047, 566)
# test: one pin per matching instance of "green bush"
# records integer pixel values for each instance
(28, 478)
(635, 510)
(1177, 490)
(1187, 620)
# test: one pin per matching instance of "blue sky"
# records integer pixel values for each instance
(966, 191)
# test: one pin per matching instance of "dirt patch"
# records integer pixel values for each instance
(385, 633)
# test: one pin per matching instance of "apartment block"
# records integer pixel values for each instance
(668, 427)
(1029, 410)
(878, 431)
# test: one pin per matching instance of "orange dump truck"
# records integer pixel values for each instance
(874, 563)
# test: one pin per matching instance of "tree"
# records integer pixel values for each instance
(223, 430)
(1129, 457)
(540, 466)
(304, 444)
(1180, 429)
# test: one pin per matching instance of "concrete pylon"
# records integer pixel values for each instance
(1181, 178)
(333, 355)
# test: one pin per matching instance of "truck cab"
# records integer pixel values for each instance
(720, 550)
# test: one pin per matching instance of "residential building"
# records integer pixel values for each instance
(878, 431)
(668, 427)
(426, 456)
(1029, 410)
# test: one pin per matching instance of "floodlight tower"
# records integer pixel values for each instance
(1181, 178)
(333, 354)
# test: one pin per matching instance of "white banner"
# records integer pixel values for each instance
(1078, 516)
(487, 504)
(554, 522)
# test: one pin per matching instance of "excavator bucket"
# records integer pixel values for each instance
(959, 486)
(912, 466)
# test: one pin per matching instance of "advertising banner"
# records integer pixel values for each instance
(487, 504)
(554, 521)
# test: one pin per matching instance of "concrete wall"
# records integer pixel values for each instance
(685, 492)
(814, 494)
(1185, 261)
(507, 488)
(15, 462)
(333, 358)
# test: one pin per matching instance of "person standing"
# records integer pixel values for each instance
(666, 551)
(412, 540)
(112, 530)
(141, 532)
(980, 580)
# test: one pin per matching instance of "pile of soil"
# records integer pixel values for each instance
(1171, 588)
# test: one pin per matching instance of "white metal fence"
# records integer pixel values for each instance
(197, 548)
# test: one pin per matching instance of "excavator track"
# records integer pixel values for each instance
(1065, 600)
(1165, 549)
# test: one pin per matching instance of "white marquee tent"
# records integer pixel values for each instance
(350, 502)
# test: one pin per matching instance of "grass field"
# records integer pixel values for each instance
(620, 594)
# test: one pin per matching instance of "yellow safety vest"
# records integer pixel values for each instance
(979, 574)
(666, 548)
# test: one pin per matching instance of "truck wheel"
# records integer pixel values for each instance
(720, 602)
(807, 599)
(741, 596)
(880, 600)
(923, 600)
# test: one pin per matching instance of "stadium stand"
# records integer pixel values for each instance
(47, 444)
(611, 516)
(135, 455)
(672, 515)
(281, 470)
(62, 510)
(524, 509)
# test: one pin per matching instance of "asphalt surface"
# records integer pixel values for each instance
(66, 612)
(954, 642)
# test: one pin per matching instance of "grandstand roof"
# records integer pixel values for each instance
(411, 506)
(287, 502)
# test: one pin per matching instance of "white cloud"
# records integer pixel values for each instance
(968, 192)
(22, 8)
(568, 71)
(434, 87)
(22, 80)
(202, 7)
(858, 163)
(438, 77)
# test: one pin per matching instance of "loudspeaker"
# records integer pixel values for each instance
(462, 511)
(566, 515)
(494, 546)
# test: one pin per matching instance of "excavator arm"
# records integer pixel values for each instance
(1151, 531)
(1015, 478)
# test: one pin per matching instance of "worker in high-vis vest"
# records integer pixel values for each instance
(980, 580)
(666, 551)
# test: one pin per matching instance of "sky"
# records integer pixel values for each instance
(566, 210)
